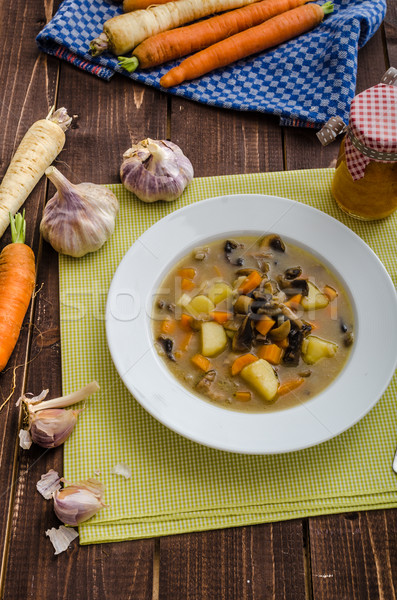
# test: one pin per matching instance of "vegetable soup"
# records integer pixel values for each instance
(253, 323)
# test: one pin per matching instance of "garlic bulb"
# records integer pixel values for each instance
(47, 423)
(156, 170)
(79, 218)
(79, 501)
(51, 427)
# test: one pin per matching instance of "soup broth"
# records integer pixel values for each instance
(253, 323)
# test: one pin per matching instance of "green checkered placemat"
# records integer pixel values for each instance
(180, 486)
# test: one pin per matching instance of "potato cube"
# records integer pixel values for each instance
(200, 305)
(213, 338)
(262, 377)
(315, 348)
(314, 299)
(219, 292)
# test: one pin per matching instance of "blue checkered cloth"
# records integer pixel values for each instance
(304, 81)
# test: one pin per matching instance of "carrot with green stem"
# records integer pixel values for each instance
(39, 147)
(179, 42)
(17, 280)
(122, 33)
(276, 30)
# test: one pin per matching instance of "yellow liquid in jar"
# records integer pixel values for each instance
(372, 197)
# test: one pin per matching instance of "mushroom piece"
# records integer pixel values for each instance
(242, 339)
(277, 334)
(294, 286)
(206, 381)
(229, 247)
(168, 346)
(243, 304)
(273, 241)
(292, 273)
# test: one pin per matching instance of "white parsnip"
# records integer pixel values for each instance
(122, 33)
(39, 147)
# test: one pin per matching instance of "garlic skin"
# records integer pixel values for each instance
(51, 427)
(78, 502)
(79, 218)
(156, 170)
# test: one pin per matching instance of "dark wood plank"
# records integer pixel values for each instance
(390, 26)
(25, 99)
(355, 556)
(246, 563)
(99, 136)
(224, 142)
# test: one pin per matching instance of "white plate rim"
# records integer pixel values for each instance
(307, 425)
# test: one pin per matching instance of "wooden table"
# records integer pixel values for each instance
(346, 556)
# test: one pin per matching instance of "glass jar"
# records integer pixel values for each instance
(365, 180)
(374, 196)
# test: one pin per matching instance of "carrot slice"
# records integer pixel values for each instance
(201, 362)
(187, 272)
(186, 341)
(243, 396)
(242, 361)
(294, 300)
(168, 326)
(283, 343)
(187, 284)
(186, 322)
(330, 292)
(221, 316)
(289, 386)
(272, 353)
(250, 282)
(265, 325)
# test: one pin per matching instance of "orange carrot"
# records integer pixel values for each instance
(294, 300)
(186, 341)
(186, 322)
(201, 362)
(242, 361)
(330, 292)
(182, 41)
(289, 386)
(168, 326)
(243, 396)
(273, 32)
(283, 343)
(264, 325)
(187, 285)
(187, 272)
(221, 316)
(272, 353)
(217, 271)
(250, 282)
(17, 279)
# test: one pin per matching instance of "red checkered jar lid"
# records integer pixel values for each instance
(372, 130)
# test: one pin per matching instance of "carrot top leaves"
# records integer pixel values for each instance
(328, 8)
(18, 228)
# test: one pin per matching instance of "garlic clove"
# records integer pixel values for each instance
(78, 502)
(156, 170)
(51, 427)
(79, 218)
